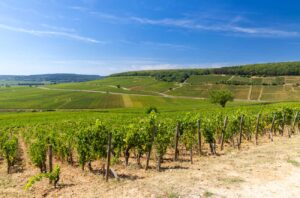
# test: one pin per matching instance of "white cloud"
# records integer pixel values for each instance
(191, 24)
(266, 31)
(209, 24)
(42, 33)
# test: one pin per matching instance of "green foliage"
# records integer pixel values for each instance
(150, 109)
(167, 75)
(189, 126)
(38, 153)
(208, 130)
(132, 131)
(163, 138)
(91, 142)
(180, 75)
(221, 97)
(9, 148)
(52, 176)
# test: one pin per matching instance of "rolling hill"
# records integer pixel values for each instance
(129, 90)
(180, 75)
(45, 79)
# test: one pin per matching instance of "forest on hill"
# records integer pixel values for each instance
(47, 78)
(180, 75)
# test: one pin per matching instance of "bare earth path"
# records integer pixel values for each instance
(267, 170)
(260, 93)
(249, 93)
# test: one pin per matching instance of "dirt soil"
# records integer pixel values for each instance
(271, 169)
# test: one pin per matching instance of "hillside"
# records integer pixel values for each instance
(45, 79)
(180, 75)
(163, 88)
(145, 91)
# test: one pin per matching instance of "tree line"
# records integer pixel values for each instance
(180, 75)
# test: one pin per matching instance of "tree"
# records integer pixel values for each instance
(221, 97)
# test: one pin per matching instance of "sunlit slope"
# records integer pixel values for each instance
(280, 88)
(36, 98)
(134, 85)
(143, 91)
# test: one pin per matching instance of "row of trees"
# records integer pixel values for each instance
(180, 75)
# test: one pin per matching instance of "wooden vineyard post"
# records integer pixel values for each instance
(223, 132)
(294, 122)
(50, 158)
(241, 132)
(283, 123)
(108, 157)
(176, 141)
(272, 128)
(158, 166)
(257, 129)
(50, 155)
(199, 137)
(150, 147)
(191, 155)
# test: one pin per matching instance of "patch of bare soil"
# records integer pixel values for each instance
(271, 169)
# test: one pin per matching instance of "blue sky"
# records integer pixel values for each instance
(109, 36)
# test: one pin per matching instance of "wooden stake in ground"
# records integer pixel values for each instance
(241, 132)
(257, 129)
(176, 141)
(294, 122)
(108, 157)
(191, 155)
(223, 132)
(50, 157)
(272, 128)
(199, 137)
(150, 147)
(283, 123)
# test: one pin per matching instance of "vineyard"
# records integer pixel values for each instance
(147, 141)
(143, 91)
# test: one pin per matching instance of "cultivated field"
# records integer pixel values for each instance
(70, 124)
(119, 92)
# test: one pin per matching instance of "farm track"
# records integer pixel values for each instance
(250, 92)
(260, 94)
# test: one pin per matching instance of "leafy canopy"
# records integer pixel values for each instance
(221, 97)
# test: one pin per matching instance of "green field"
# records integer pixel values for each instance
(74, 119)
(133, 85)
(207, 79)
(140, 92)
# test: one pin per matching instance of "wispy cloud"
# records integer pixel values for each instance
(266, 31)
(61, 29)
(208, 23)
(42, 33)
(157, 45)
(227, 27)
(166, 45)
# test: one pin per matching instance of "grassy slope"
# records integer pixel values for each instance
(196, 86)
(136, 85)
(199, 86)
(34, 98)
